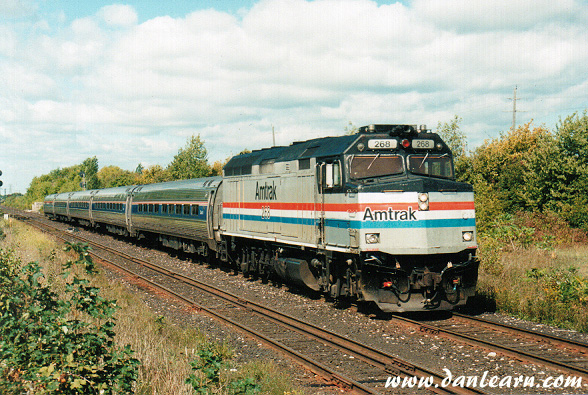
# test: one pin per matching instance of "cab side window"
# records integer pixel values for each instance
(330, 175)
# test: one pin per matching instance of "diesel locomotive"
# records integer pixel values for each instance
(375, 216)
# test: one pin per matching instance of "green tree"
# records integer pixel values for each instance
(566, 170)
(456, 140)
(217, 167)
(191, 161)
(58, 180)
(153, 174)
(114, 176)
(505, 172)
(90, 169)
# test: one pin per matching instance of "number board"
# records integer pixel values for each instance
(382, 144)
(423, 144)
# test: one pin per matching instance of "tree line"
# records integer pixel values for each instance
(191, 161)
(530, 169)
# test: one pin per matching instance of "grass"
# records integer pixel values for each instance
(535, 273)
(165, 348)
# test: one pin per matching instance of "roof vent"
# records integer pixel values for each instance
(392, 130)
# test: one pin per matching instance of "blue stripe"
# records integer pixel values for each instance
(338, 223)
(201, 216)
(427, 223)
(282, 220)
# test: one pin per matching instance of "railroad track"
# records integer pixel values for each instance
(304, 342)
(567, 356)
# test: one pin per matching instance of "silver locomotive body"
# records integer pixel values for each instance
(376, 216)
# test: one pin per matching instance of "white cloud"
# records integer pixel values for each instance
(129, 92)
(482, 15)
(16, 8)
(118, 15)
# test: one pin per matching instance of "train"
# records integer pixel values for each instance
(376, 216)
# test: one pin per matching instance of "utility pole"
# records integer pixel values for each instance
(514, 109)
(273, 136)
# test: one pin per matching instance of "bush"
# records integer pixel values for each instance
(52, 345)
(561, 285)
(209, 374)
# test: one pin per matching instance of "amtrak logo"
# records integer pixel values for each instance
(389, 215)
(265, 192)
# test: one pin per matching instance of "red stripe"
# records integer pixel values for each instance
(451, 205)
(373, 206)
(273, 205)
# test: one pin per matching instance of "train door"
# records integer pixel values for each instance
(320, 204)
(129, 209)
(90, 213)
(67, 204)
(329, 182)
(215, 213)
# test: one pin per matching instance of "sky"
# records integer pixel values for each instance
(130, 81)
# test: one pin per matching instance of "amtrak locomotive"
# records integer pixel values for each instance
(376, 216)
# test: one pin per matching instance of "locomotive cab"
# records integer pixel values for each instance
(415, 223)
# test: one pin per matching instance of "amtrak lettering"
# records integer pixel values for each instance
(390, 215)
(265, 192)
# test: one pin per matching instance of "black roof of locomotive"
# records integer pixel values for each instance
(321, 147)
(316, 148)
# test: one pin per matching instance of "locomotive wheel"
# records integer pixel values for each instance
(253, 265)
(245, 262)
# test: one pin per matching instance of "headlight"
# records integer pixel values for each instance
(372, 238)
(423, 201)
(467, 236)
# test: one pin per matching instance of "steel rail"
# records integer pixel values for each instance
(492, 346)
(557, 341)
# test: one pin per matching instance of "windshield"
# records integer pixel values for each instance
(367, 166)
(431, 165)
